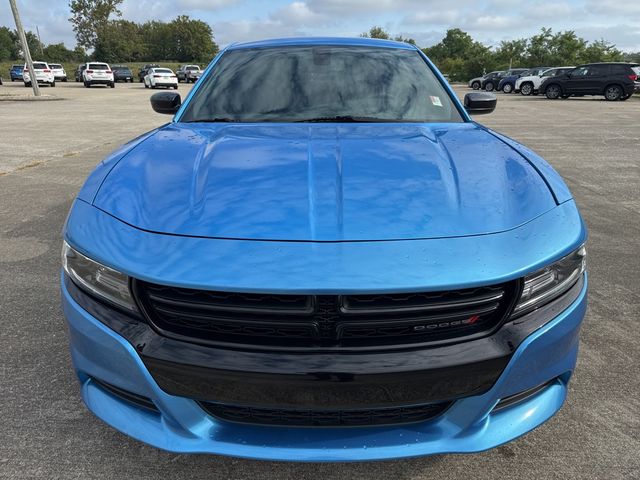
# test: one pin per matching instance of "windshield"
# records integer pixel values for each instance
(191, 68)
(549, 73)
(55, 65)
(98, 66)
(321, 83)
(162, 70)
(38, 66)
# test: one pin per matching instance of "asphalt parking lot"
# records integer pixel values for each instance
(48, 148)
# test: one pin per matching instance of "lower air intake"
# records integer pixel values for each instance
(324, 418)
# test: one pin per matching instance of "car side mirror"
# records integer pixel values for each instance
(480, 103)
(166, 102)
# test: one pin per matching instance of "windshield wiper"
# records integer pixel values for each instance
(344, 119)
(334, 119)
(214, 120)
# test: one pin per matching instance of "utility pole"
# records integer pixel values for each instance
(25, 48)
(40, 41)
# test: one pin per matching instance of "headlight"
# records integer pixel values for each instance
(101, 281)
(550, 282)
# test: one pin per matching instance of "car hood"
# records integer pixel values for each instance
(324, 182)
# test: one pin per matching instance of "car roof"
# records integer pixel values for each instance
(356, 41)
(607, 63)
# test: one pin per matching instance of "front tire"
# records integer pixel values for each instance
(613, 93)
(489, 86)
(526, 89)
(553, 92)
(475, 85)
(508, 88)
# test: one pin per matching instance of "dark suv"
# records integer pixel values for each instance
(491, 81)
(122, 73)
(616, 81)
(143, 71)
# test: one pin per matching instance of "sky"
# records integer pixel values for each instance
(489, 21)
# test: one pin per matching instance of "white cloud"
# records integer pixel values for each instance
(210, 5)
(425, 20)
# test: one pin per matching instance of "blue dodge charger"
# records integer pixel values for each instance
(322, 257)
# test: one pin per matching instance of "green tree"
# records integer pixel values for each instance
(376, 32)
(157, 40)
(57, 52)
(8, 44)
(119, 41)
(538, 48)
(460, 56)
(191, 40)
(633, 57)
(32, 42)
(88, 16)
(565, 48)
(603, 51)
(512, 53)
(400, 38)
(80, 55)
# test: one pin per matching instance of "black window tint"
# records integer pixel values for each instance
(598, 70)
(580, 72)
(619, 70)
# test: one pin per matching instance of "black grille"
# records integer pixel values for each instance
(324, 320)
(325, 418)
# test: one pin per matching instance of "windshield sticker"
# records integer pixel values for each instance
(435, 100)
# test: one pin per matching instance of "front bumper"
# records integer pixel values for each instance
(181, 425)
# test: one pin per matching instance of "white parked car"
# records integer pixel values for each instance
(58, 72)
(160, 77)
(97, 73)
(44, 75)
(530, 84)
